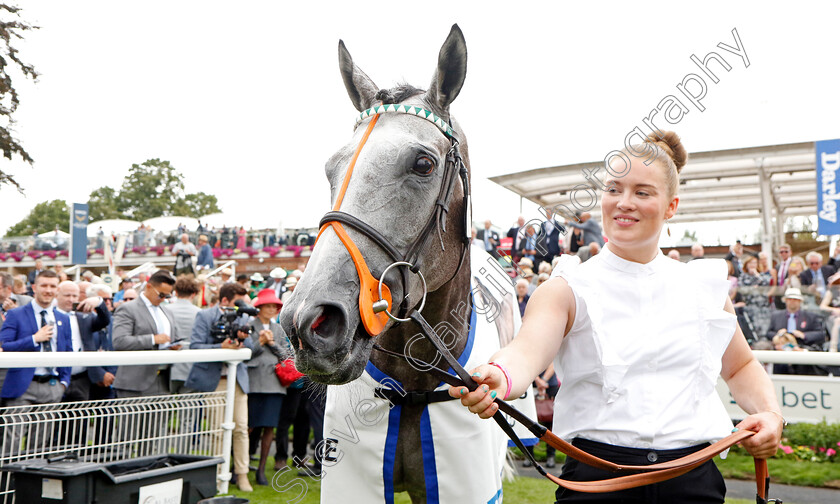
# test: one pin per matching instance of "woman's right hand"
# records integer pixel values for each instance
(481, 401)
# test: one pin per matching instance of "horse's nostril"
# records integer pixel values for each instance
(318, 322)
(331, 322)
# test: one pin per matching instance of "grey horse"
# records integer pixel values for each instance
(394, 187)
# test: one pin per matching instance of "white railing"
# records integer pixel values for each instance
(119, 429)
(793, 357)
(231, 264)
(143, 268)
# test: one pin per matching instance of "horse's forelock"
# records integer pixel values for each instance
(398, 94)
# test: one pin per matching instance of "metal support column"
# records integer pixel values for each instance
(766, 209)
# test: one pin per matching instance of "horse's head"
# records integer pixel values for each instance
(397, 179)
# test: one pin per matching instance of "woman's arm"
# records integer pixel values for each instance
(550, 315)
(753, 391)
(825, 305)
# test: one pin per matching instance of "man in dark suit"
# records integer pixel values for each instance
(548, 240)
(806, 327)
(490, 238)
(518, 239)
(815, 278)
(35, 327)
(88, 317)
(734, 256)
(30, 279)
(83, 323)
(782, 272)
(144, 324)
(210, 376)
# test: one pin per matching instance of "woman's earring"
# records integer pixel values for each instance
(668, 228)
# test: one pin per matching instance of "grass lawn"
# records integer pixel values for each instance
(291, 487)
(788, 472)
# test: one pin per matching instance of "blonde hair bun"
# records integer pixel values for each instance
(670, 142)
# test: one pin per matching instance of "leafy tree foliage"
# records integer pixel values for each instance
(103, 204)
(44, 217)
(151, 189)
(11, 28)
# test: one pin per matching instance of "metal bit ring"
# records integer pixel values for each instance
(422, 302)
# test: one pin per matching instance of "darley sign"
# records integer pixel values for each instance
(828, 192)
(78, 233)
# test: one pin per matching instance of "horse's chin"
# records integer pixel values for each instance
(342, 366)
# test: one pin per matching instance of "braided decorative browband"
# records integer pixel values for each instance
(411, 110)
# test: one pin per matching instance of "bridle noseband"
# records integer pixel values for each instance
(374, 295)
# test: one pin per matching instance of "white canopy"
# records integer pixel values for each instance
(54, 234)
(247, 219)
(112, 226)
(171, 223)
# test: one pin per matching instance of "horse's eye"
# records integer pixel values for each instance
(424, 165)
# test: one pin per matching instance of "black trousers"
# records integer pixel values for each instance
(703, 485)
(293, 412)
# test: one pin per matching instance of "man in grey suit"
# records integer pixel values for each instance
(212, 376)
(143, 324)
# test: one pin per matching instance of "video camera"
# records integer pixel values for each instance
(230, 323)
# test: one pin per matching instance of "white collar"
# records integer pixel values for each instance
(649, 268)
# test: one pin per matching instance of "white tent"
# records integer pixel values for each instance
(54, 234)
(171, 223)
(112, 226)
(245, 218)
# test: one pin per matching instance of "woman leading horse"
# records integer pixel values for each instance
(638, 342)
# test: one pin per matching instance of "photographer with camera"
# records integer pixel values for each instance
(226, 326)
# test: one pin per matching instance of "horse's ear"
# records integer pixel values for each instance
(451, 70)
(359, 86)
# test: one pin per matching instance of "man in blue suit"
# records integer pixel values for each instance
(32, 328)
(210, 376)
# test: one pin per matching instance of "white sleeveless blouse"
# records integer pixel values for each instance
(639, 366)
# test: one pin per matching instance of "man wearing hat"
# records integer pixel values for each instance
(275, 281)
(806, 327)
(226, 275)
(291, 282)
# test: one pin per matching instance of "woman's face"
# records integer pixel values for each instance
(635, 206)
(751, 266)
(269, 310)
(795, 267)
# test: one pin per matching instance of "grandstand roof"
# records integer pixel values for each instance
(714, 185)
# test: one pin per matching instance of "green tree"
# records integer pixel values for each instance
(11, 27)
(44, 217)
(150, 190)
(689, 236)
(200, 204)
(102, 204)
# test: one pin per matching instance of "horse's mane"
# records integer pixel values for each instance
(398, 94)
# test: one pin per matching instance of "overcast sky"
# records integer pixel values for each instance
(245, 98)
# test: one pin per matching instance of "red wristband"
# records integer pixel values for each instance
(507, 378)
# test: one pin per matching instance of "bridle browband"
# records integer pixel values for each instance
(374, 309)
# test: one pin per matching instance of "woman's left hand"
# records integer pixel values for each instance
(768, 434)
(266, 337)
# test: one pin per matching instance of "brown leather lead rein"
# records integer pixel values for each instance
(646, 475)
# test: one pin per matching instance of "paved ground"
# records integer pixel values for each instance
(738, 489)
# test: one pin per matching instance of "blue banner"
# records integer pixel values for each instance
(828, 192)
(78, 233)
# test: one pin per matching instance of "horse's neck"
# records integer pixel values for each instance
(442, 305)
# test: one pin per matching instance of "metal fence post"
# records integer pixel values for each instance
(227, 427)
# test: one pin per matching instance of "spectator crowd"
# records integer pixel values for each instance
(47, 312)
